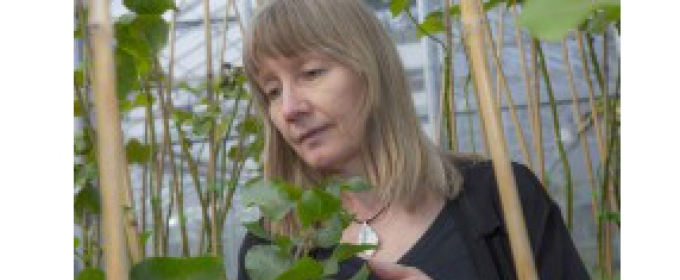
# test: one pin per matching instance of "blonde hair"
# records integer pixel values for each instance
(400, 161)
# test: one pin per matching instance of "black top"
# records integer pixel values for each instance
(468, 239)
(439, 253)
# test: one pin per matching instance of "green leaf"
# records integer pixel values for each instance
(91, 273)
(553, 19)
(125, 105)
(143, 99)
(344, 250)
(330, 267)
(78, 78)
(137, 152)
(433, 23)
(256, 147)
(611, 216)
(181, 116)
(141, 37)
(330, 232)
(153, 30)
(144, 238)
(197, 91)
(286, 244)
(362, 274)
(86, 200)
(154, 7)
(266, 262)
(304, 268)
(273, 202)
(78, 33)
(77, 109)
(126, 73)
(76, 242)
(250, 125)
(129, 40)
(84, 173)
(235, 153)
(316, 205)
(81, 144)
(256, 228)
(167, 268)
(491, 4)
(398, 6)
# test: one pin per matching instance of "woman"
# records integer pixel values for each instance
(334, 96)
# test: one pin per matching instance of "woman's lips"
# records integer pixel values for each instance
(311, 133)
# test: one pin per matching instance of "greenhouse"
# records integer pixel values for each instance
(176, 134)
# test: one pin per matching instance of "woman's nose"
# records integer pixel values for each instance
(294, 104)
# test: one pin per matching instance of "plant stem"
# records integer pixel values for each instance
(447, 89)
(236, 168)
(415, 21)
(536, 116)
(466, 92)
(558, 139)
(228, 133)
(579, 123)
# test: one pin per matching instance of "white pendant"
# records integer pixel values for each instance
(367, 235)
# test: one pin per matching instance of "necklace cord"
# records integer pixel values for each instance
(370, 220)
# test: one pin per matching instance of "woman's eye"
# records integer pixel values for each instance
(272, 93)
(314, 73)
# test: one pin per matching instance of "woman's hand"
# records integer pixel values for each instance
(393, 271)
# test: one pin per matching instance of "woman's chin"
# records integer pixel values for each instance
(321, 162)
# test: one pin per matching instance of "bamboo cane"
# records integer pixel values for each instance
(485, 139)
(498, 51)
(156, 174)
(110, 135)
(211, 132)
(129, 210)
(225, 30)
(591, 96)
(130, 220)
(579, 123)
(510, 202)
(167, 111)
(503, 88)
(525, 76)
(146, 181)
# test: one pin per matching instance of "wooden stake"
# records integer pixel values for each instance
(514, 218)
(212, 159)
(109, 142)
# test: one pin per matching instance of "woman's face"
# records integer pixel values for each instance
(314, 102)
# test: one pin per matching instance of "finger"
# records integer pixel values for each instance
(386, 270)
